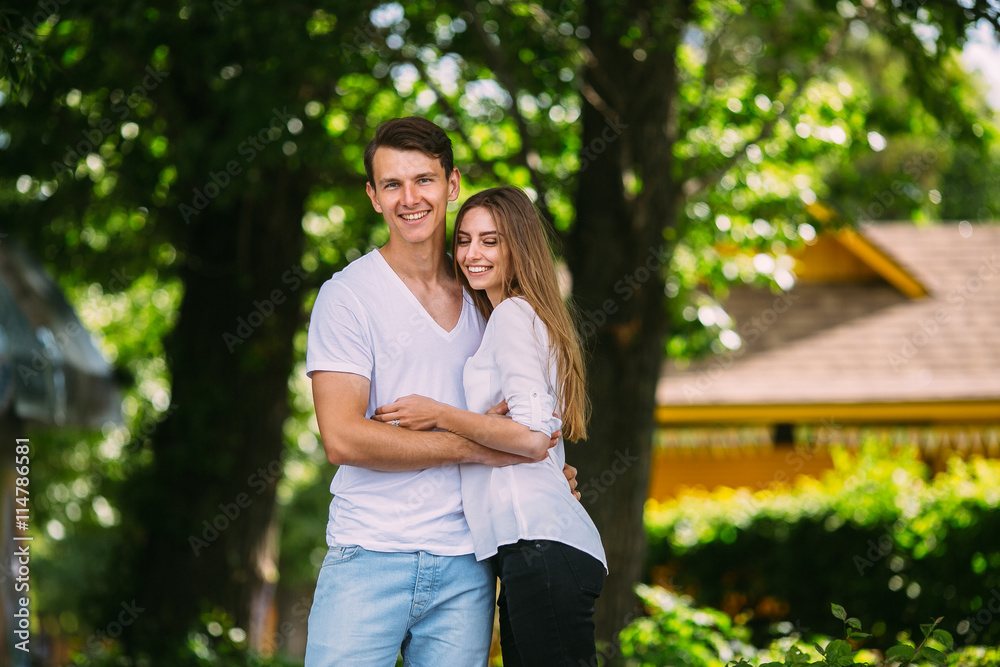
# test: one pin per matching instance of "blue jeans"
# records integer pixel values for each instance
(370, 605)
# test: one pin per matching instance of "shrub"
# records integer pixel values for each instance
(676, 634)
(875, 534)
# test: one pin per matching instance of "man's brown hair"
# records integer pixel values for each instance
(410, 134)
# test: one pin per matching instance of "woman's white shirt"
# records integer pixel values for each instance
(528, 500)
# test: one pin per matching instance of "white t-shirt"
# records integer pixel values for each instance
(528, 500)
(367, 322)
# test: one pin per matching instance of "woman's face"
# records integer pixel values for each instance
(481, 255)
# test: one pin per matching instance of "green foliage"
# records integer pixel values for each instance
(20, 63)
(935, 649)
(878, 536)
(677, 634)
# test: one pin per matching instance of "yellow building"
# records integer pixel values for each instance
(893, 330)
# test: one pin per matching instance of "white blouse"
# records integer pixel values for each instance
(528, 500)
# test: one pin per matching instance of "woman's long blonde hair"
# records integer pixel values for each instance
(531, 274)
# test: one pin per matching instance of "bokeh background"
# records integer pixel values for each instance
(776, 217)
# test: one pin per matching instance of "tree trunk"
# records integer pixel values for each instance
(617, 254)
(203, 508)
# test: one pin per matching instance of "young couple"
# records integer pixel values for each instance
(413, 357)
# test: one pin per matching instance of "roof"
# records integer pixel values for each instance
(50, 370)
(865, 343)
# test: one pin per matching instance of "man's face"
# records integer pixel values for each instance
(412, 193)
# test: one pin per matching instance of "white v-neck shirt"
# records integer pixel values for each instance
(528, 501)
(367, 322)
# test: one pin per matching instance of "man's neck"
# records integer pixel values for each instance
(426, 262)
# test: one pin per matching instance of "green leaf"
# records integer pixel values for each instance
(945, 638)
(854, 623)
(859, 635)
(838, 611)
(839, 654)
(934, 655)
(900, 652)
(797, 656)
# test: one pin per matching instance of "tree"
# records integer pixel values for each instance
(218, 154)
(179, 158)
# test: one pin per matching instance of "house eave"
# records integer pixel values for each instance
(881, 263)
(887, 412)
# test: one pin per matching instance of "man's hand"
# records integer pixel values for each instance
(570, 473)
(498, 459)
(501, 410)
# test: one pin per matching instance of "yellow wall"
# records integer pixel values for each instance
(710, 457)
(674, 472)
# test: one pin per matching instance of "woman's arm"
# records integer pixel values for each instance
(522, 364)
(350, 439)
(490, 430)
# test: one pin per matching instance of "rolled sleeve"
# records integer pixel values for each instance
(522, 356)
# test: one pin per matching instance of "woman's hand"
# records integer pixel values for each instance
(417, 413)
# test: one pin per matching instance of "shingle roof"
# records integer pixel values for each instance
(866, 343)
(50, 370)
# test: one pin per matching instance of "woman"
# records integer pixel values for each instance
(544, 547)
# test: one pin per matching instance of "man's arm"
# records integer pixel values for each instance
(341, 400)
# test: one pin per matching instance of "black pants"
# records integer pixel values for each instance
(547, 594)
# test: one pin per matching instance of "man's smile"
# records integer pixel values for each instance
(413, 217)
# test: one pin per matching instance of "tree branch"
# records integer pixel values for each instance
(712, 48)
(442, 98)
(698, 184)
(498, 64)
(450, 111)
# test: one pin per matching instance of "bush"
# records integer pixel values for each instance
(875, 535)
(676, 634)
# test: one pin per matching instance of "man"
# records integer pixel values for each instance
(399, 574)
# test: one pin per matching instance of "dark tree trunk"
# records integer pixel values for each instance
(617, 252)
(203, 509)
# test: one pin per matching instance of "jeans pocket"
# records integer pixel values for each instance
(588, 571)
(338, 555)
